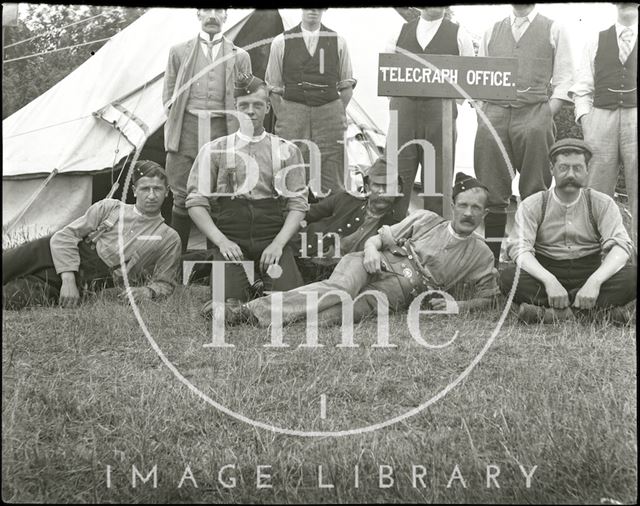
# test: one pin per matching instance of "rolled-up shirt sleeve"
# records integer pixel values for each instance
(203, 177)
(295, 179)
(273, 75)
(522, 238)
(562, 77)
(345, 70)
(611, 227)
(393, 234)
(584, 86)
(64, 243)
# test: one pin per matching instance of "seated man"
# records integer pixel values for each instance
(422, 252)
(261, 179)
(86, 252)
(558, 240)
(353, 219)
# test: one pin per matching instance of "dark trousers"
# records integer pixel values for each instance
(252, 225)
(618, 290)
(419, 118)
(29, 276)
(526, 134)
(178, 167)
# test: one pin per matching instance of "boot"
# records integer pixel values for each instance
(181, 223)
(494, 227)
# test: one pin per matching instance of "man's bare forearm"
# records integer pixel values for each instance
(290, 227)
(202, 220)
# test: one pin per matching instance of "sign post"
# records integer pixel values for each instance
(436, 76)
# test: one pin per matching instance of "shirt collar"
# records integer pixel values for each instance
(555, 197)
(139, 213)
(423, 24)
(620, 28)
(310, 32)
(247, 138)
(454, 233)
(531, 16)
(204, 36)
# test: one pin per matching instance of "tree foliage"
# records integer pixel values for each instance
(24, 80)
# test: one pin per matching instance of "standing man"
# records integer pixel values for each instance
(606, 98)
(421, 118)
(571, 246)
(264, 201)
(198, 83)
(309, 73)
(524, 125)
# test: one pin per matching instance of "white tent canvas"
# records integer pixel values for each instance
(109, 106)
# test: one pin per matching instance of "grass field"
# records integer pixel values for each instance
(83, 390)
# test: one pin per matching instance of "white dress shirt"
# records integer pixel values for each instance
(426, 30)
(204, 38)
(584, 88)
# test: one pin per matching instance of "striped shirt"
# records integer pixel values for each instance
(151, 248)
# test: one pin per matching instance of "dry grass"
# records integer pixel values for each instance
(83, 389)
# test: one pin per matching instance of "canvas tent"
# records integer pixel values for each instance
(96, 117)
(74, 135)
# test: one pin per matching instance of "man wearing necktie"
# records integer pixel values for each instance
(421, 118)
(198, 88)
(524, 125)
(309, 73)
(605, 95)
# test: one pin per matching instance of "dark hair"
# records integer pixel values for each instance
(484, 190)
(571, 151)
(147, 168)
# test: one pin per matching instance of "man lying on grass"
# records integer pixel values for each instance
(86, 253)
(558, 240)
(421, 253)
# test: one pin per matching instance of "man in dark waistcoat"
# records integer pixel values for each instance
(199, 78)
(524, 125)
(421, 118)
(309, 73)
(606, 97)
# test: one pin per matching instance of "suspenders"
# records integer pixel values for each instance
(592, 219)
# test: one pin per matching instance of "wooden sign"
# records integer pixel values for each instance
(481, 78)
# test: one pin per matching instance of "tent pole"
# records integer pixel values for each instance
(31, 200)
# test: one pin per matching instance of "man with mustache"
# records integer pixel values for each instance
(606, 98)
(198, 82)
(423, 252)
(85, 255)
(309, 72)
(345, 221)
(571, 246)
(525, 125)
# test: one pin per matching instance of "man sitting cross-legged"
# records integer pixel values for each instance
(558, 240)
(345, 222)
(87, 251)
(262, 198)
(420, 253)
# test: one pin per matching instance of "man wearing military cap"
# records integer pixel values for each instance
(247, 194)
(85, 254)
(422, 252)
(571, 246)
